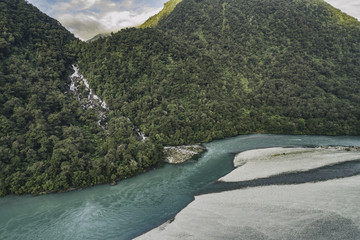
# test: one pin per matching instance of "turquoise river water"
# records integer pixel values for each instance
(139, 204)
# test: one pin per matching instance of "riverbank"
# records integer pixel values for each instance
(180, 154)
(322, 210)
(260, 163)
(137, 205)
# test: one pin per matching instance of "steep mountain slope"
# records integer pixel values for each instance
(209, 69)
(168, 89)
(48, 140)
(234, 67)
(154, 20)
(300, 58)
(100, 35)
(41, 127)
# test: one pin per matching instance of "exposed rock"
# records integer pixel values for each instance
(180, 154)
(89, 100)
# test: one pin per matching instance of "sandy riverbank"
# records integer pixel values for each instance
(323, 210)
(261, 163)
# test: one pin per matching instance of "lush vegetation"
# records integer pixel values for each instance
(298, 60)
(209, 69)
(219, 68)
(48, 142)
(154, 20)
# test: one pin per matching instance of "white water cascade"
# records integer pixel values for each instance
(89, 100)
(80, 86)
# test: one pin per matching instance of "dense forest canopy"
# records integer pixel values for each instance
(232, 67)
(48, 141)
(207, 69)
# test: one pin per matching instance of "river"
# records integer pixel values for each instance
(139, 204)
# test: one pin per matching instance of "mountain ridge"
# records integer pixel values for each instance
(208, 70)
(168, 8)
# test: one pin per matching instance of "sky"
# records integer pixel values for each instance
(87, 18)
(351, 7)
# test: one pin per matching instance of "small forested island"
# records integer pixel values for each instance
(199, 71)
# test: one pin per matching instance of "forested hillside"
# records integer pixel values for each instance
(168, 89)
(48, 141)
(42, 129)
(232, 67)
(298, 59)
(207, 69)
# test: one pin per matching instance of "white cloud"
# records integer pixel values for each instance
(82, 25)
(351, 7)
(86, 18)
(95, 5)
(116, 19)
(79, 5)
(85, 25)
(43, 5)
